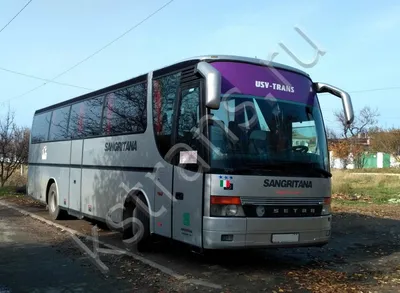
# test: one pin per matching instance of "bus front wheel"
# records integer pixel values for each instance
(138, 230)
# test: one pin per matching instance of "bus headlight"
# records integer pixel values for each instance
(226, 206)
(231, 210)
(326, 207)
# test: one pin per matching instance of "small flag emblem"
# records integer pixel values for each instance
(226, 183)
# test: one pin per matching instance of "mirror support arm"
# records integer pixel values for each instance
(212, 84)
(346, 100)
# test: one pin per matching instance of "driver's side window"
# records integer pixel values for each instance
(188, 116)
(304, 136)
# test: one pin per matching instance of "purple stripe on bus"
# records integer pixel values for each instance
(257, 80)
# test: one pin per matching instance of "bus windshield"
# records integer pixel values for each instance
(251, 134)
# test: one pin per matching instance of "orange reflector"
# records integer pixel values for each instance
(327, 200)
(225, 200)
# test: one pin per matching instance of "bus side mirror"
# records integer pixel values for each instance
(212, 84)
(346, 100)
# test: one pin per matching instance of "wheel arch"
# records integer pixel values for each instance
(49, 183)
(131, 198)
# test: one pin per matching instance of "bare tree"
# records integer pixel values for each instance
(366, 118)
(330, 133)
(14, 146)
(386, 140)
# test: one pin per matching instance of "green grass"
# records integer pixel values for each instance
(370, 188)
(375, 170)
(355, 203)
(15, 185)
(9, 190)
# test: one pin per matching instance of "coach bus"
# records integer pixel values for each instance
(217, 152)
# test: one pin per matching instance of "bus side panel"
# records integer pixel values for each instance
(35, 152)
(103, 190)
(76, 152)
(74, 197)
(35, 187)
(30, 188)
(112, 167)
(162, 200)
(55, 166)
(75, 179)
(46, 163)
(187, 209)
(59, 174)
(135, 151)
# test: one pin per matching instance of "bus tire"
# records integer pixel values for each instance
(136, 211)
(54, 209)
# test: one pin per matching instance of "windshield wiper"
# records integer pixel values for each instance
(246, 170)
(327, 174)
(257, 169)
(279, 167)
(223, 170)
(307, 167)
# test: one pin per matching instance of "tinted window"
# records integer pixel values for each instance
(92, 117)
(85, 118)
(125, 110)
(165, 91)
(59, 124)
(267, 131)
(75, 129)
(40, 127)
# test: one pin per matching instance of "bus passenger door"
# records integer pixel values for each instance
(187, 200)
(162, 200)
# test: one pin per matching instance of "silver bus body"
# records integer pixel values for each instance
(193, 192)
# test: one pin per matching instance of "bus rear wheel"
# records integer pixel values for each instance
(54, 210)
(138, 230)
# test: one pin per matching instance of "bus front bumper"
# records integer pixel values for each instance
(222, 233)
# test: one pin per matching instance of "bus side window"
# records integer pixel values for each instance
(125, 110)
(85, 118)
(108, 112)
(188, 116)
(90, 117)
(40, 127)
(165, 90)
(59, 124)
(74, 121)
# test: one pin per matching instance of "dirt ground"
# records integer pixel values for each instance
(36, 258)
(362, 256)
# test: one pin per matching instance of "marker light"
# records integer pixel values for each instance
(226, 200)
(326, 207)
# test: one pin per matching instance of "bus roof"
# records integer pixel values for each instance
(177, 65)
(256, 61)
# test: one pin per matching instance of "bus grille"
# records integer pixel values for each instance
(282, 201)
(277, 207)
